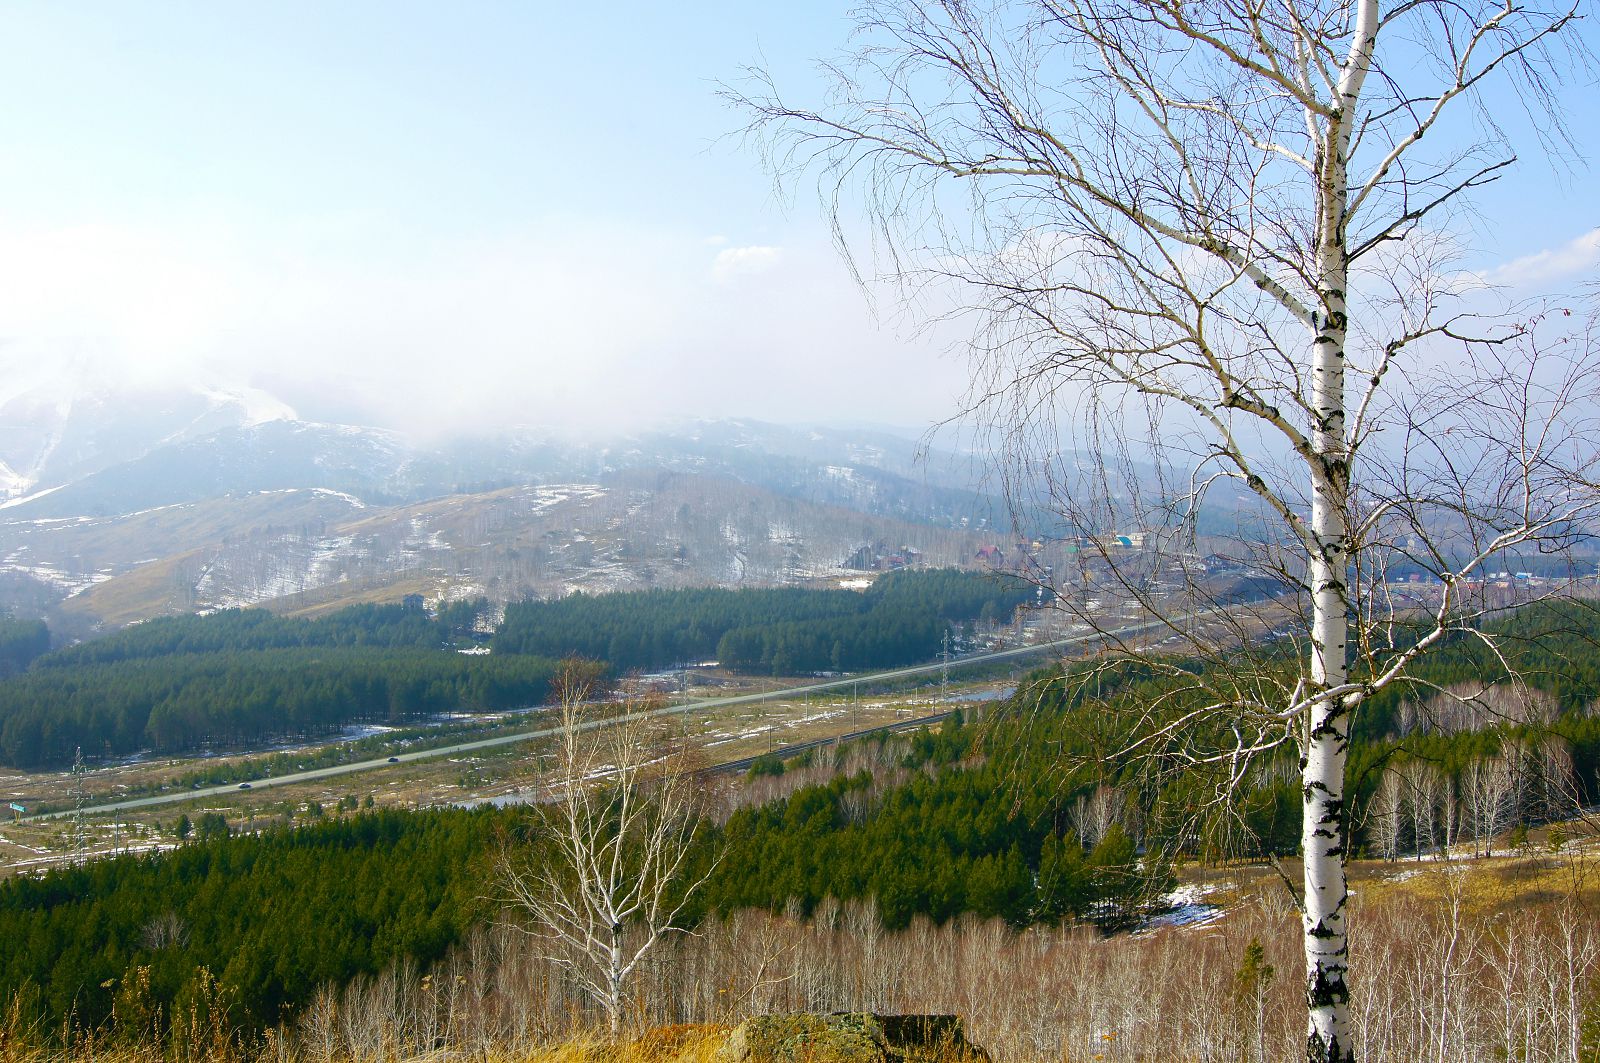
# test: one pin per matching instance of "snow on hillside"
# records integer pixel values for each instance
(62, 422)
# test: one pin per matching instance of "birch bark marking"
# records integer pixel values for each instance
(1328, 1038)
(614, 980)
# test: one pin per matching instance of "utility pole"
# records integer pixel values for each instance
(77, 806)
(944, 668)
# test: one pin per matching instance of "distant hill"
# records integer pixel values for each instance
(228, 445)
(125, 505)
(310, 550)
(59, 427)
(275, 456)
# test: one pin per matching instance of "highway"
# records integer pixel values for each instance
(869, 678)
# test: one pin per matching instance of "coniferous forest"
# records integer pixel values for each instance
(900, 619)
(244, 677)
(21, 643)
(246, 697)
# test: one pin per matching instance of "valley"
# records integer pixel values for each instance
(720, 717)
(322, 657)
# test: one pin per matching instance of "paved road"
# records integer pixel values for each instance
(545, 732)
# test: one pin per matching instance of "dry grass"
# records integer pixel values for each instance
(680, 1043)
(1490, 888)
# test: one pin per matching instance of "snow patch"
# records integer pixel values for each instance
(256, 406)
(29, 498)
(549, 495)
(327, 492)
(1185, 906)
(74, 583)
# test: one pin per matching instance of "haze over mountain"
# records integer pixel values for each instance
(60, 425)
(128, 502)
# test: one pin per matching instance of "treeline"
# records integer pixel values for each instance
(882, 638)
(189, 701)
(900, 619)
(21, 642)
(234, 630)
(654, 628)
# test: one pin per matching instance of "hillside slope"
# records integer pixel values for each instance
(301, 550)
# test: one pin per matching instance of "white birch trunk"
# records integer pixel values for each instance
(1328, 731)
(614, 979)
(1329, 1033)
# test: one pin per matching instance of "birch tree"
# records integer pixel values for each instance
(1215, 237)
(1385, 814)
(1487, 787)
(608, 873)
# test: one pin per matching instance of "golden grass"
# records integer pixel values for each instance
(683, 1043)
(1490, 886)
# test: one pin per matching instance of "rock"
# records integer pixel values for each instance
(849, 1037)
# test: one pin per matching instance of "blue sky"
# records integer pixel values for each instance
(444, 120)
(471, 213)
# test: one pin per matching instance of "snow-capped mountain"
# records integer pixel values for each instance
(59, 424)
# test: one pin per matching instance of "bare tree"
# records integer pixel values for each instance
(1487, 787)
(607, 874)
(1386, 813)
(1222, 231)
(1092, 816)
(1425, 787)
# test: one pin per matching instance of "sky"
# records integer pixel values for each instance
(457, 216)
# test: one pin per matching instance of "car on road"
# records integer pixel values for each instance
(394, 760)
(244, 786)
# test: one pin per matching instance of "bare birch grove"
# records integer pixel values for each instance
(1449, 979)
(1207, 251)
(606, 876)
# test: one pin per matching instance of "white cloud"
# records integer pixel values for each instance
(137, 302)
(735, 262)
(1551, 265)
(568, 326)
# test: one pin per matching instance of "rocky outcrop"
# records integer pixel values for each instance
(850, 1037)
